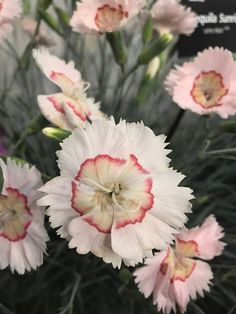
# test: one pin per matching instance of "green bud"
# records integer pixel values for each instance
(118, 46)
(56, 134)
(228, 126)
(147, 82)
(155, 49)
(37, 124)
(148, 30)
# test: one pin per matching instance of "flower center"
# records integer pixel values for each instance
(178, 262)
(109, 18)
(111, 190)
(208, 89)
(15, 216)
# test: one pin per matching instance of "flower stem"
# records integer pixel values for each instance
(175, 124)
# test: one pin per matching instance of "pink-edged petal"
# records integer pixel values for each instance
(71, 156)
(51, 107)
(218, 59)
(150, 150)
(198, 283)
(146, 276)
(182, 96)
(207, 237)
(87, 238)
(57, 70)
(59, 200)
(176, 75)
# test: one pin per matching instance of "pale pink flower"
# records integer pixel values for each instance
(42, 38)
(175, 276)
(22, 233)
(71, 107)
(172, 17)
(207, 84)
(101, 16)
(116, 195)
(9, 10)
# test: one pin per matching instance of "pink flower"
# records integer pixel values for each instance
(71, 107)
(22, 233)
(9, 10)
(207, 84)
(172, 17)
(101, 16)
(174, 276)
(29, 25)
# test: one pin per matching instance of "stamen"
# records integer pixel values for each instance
(123, 208)
(86, 86)
(103, 188)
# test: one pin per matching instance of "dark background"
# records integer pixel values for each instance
(189, 46)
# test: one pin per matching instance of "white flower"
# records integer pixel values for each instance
(71, 107)
(116, 195)
(22, 232)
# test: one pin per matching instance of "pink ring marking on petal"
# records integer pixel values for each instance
(109, 18)
(56, 104)
(102, 188)
(208, 89)
(148, 187)
(60, 78)
(17, 198)
(78, 113)
(178, 262)
(117, 161)
(93, 223)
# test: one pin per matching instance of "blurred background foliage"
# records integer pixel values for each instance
(203, 148)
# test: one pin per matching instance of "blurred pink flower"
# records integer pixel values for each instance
(172, 17)
(101, 16)
(174, 276)
(71, 107)
(9, 10)
(207, 84)
(22, 233)
(29, 25)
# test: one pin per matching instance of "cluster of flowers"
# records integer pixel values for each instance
(116, 195)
